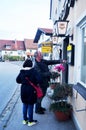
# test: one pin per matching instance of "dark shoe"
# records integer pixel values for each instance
(43, 109)
(35, 120)
(39, 112)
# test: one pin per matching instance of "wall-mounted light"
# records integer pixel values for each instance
(62, 28)
(55, 39)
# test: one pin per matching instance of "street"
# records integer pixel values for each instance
(8, 85)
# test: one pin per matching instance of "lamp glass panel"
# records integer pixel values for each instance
(55, 39)
(62, 27)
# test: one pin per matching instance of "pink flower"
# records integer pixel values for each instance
(59, 67)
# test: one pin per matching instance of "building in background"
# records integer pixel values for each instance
(12, 48)
(43, 39)
(30, 47)
(16, 50)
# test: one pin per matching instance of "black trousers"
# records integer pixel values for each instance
(38, 105)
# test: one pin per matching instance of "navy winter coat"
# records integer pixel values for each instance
(28, 93)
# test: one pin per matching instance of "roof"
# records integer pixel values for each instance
(46, 31)
(11, 45)
(29, 44)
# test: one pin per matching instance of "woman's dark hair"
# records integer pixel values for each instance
(27, 63)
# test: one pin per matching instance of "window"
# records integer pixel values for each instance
(8, 47)
(83, 61)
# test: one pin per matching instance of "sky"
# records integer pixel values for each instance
(20, 19)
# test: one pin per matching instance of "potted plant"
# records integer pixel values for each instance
(61, 91)
(60, 106)
(62, 110)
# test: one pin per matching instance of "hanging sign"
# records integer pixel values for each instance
(46, 47)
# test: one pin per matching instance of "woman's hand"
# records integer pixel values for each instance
(64, 61)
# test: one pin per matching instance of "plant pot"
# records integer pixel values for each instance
(52, 86)
(61, 116)
(62, 110)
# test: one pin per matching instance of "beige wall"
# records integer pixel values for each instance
(80, 7)
(77, 11)
(78, 103)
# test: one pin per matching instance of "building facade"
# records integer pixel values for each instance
(73, 11)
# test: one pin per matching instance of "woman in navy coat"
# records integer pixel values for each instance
(28, 93)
